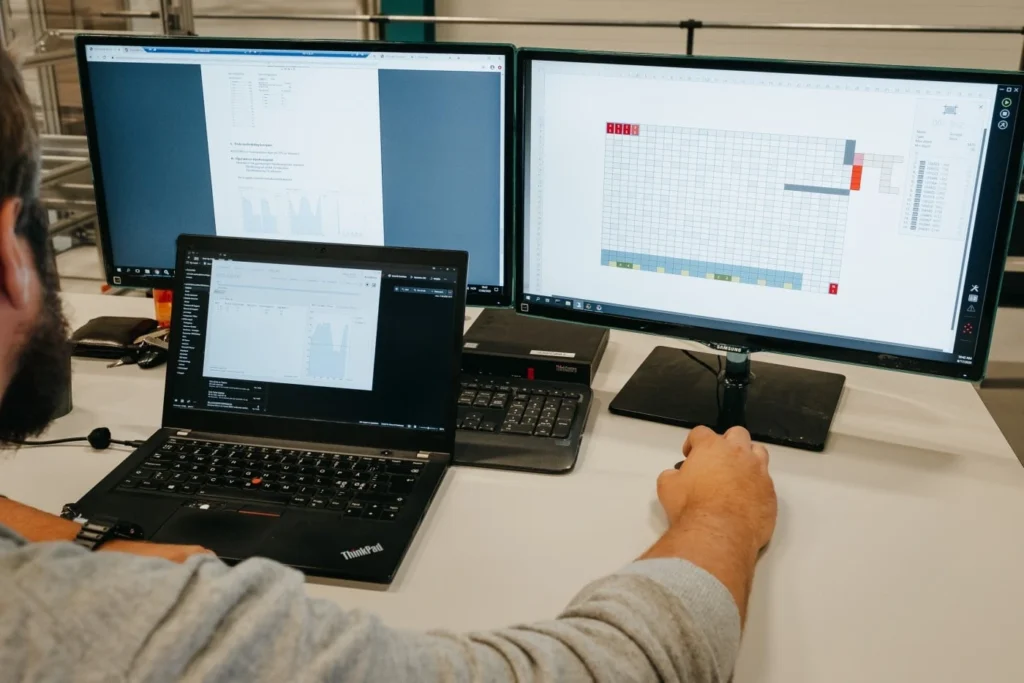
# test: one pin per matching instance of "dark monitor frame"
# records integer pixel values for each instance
(736, 341)
(500, 298)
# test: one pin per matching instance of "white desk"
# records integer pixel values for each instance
(897, 558)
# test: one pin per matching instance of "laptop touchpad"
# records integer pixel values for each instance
(230, 534)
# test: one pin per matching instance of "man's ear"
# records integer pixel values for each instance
(16, 264)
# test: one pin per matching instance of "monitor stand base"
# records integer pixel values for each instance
(779, 404)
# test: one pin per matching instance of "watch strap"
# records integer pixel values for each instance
(96, 531)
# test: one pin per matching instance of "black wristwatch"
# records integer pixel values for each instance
(96, 531)
(99, 529)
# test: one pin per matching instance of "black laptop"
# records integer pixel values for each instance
(309, 405)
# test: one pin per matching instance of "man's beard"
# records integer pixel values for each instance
(42, 376)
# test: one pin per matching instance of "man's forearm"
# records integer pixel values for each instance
(716, 547)
(35, 525)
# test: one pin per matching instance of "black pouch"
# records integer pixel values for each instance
(110, 336)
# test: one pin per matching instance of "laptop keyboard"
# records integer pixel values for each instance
(358, 486)
(509, 408)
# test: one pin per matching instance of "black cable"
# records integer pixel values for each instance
(98, 438)
(700, 362)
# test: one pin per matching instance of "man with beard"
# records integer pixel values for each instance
(70, 614)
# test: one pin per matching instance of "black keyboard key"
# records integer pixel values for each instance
(516, 428)
(288, 488)
(561, 430)
(354, 509)
(388, 516)
(466, 398)
(179, 477)
(404, 467)
(483, 399)
(188, 488)
(171, 488)
(542, 430)
(153, 465)
(338, 504)
(318, 502)
(128, 483)
(488, 426)
(371, 514)
(400, 485)
(299, 501)
(161, 476)
(147, 484)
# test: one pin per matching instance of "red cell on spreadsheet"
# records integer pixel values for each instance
(833, 288)
(635, 129)
(618, 129)
(611, 128)
(855, 178)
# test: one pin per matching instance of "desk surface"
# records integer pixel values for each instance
(897, 555)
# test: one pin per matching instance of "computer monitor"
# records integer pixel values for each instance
(365, 143)
(850, 213)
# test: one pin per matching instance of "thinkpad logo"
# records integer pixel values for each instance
(362, 552)
(566, 368)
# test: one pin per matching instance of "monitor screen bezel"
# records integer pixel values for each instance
(500, 298)
(318, 431)
(757, 342)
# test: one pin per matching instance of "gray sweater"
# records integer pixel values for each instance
(67, 614)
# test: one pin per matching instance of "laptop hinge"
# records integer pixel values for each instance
(425, 454)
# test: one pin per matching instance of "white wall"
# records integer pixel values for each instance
(983, 51)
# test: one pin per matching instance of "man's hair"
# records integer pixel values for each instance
(20, 158)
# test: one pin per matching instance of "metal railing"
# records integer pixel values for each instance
(689, 26)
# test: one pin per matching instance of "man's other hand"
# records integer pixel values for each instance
(724, 483)
(174, 553)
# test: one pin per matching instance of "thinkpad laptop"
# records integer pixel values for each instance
(309, 405)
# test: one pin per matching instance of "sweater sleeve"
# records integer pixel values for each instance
(129, 618)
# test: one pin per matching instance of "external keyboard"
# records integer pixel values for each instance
(359, 486)
(511, 408)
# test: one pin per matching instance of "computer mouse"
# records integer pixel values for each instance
(152, 356)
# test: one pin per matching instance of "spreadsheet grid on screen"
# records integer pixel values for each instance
(743, 207)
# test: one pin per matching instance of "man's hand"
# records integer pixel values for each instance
(174, 553)
(723, 481)
(721, 508)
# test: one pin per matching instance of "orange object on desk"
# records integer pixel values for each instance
(162, 299)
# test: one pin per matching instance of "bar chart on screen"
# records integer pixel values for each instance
(744, 207)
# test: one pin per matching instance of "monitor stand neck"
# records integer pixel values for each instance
(735, 379)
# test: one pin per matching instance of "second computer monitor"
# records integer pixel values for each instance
(378, 144)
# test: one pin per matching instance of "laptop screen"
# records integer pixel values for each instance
(358, 343)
